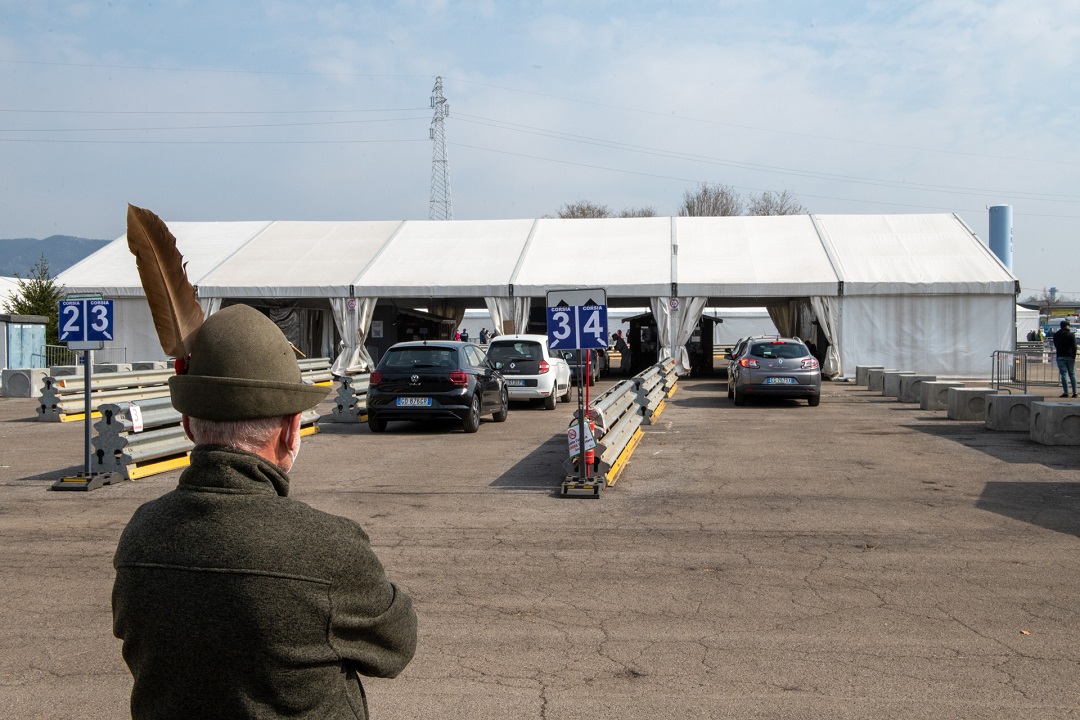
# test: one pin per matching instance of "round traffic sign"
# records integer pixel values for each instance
(673, 303)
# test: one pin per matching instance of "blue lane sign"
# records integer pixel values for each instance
(577, 327)
(86, 320)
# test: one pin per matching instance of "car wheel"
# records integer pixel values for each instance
(565, 397)
(738, 397)
(376, 424)
(592, 379)
(550, 400)
(471, 422)
(730, 392)
(814, 400)
(500, 415)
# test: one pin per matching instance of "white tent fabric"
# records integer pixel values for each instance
(827, 313)
(630, 257)
(300, 260)
(112, 272)
(352, 316)
(753, 257)
(870, 265)
(8, 288)
(1027, 320)
(737, 323)
(688, 316)
(447, 258)
(509, 315)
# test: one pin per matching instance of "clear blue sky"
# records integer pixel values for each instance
(320, 111)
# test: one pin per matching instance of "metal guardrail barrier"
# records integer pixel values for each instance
(350, 405)
(1030, 364)
(63, 398)
(159, 446)
(619, 414)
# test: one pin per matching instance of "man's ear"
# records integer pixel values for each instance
(187, 427)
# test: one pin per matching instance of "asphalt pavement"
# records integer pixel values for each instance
(861, 559)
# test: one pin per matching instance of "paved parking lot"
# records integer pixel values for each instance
(862, 559)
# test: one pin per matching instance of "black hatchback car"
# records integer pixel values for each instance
(435, 380)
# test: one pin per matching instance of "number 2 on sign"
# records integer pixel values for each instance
(73, 325)
(562, 329)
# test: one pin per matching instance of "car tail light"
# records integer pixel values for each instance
(544, 366)
(778, 342)
(749, 363)
(459, 377)
(375, 378)
(810, 364)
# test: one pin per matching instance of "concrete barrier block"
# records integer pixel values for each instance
(910, 387)
(65, 370)
(1055, 423)
(862, 373)
(1009, 413)
(968, 403)
(22, 382)
(934, 394)
(890, 382)
(112, 368)
(875, 378)
(149, 365)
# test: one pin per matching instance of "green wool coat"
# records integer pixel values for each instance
(234, 601)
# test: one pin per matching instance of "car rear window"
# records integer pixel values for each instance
(779, 350)
(419, 357)
(515, 351)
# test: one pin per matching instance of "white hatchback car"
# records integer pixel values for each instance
(532, 372)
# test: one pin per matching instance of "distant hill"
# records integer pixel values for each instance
(18, 255)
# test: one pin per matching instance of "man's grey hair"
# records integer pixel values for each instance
(249, 435)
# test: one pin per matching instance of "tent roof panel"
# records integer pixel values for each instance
(629, 257)
(111, 270)
(455, 258)
(905, 254)
(778, 256)
(299, 259)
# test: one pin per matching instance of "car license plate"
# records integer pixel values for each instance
(413, 401)
(780, 381)
(515, 383)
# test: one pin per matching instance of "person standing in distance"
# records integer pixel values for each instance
(232, 600)
(1065, 347)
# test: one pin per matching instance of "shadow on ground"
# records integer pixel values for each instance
(539, 471)
(1054, 506)
(1011, 447)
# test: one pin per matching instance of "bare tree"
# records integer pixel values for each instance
(632, 212)
(711, 201)
(772, 203)
(583, 209)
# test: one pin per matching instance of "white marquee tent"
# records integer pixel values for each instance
(905, 291)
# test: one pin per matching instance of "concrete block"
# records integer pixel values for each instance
(65, 370)
(862, 373)
(934, 394)
(890, 382)
(909, 387)
(22, 382)
(112, 368)
(1009, 413)
(968, 403)
(149, 365)
(875, 378)
(1055, 423)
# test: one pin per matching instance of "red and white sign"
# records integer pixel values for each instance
(136, 418)
(673, 303)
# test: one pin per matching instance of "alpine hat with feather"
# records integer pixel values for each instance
(237, 365)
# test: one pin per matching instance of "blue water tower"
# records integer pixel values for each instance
(1001, 240)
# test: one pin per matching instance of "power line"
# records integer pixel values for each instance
(213, 127)
(209, 112)
(599, 142)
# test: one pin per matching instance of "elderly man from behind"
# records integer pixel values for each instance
(232, 600)
(1065, 347)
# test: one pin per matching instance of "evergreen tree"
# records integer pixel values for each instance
(39, 294)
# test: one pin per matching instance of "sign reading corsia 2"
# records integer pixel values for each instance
(577, 319)
(86, 320)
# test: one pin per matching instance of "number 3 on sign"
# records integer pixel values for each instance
(562, 329)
